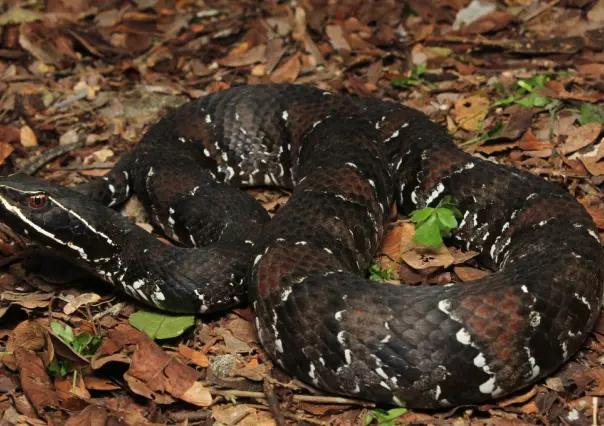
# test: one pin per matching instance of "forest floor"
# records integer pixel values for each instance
(520, 82)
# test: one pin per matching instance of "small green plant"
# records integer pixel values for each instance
(525, 91)
(434, 223)
(377, 273)
(84, 344)
(385, 417)
(414, 79)
(591, 113)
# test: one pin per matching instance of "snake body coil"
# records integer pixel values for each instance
(349, 159)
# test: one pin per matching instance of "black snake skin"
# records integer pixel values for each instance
(349, 159)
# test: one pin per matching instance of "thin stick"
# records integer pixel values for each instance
(540, 10)
(297, 398)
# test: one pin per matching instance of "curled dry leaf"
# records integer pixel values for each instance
(152, 373)
(81, 300)
(31, 336)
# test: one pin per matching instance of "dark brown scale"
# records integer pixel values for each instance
(315, 314)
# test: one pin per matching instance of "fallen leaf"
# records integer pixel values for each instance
(35, 381)
(81, 300)
(6, 149)
(596, 13)
(198, 358)
(28, 137)
(335, 33)
(580, 137)
(252, 56)
(427, 257)
(468, 273)
(469, 112)
(517, 124)
(288, 72)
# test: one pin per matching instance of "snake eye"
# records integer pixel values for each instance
(38, 201)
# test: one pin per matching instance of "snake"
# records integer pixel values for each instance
(304, 271)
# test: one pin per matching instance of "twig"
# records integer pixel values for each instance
(298, 398)
(540, 11)
(273, 404)
(112, 310)
(181, 416)
(306, 419)
(78, 169)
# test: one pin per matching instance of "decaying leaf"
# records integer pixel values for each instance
(471, 111)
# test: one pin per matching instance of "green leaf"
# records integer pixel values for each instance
(59, 368)
(65, 333)
(446, 218)
(86, 344)
(428, 233)
(161, 325)
(377, 273)
(525, 85)
(418, 216)
(591, 114)
(418, 70)
(385, 417)
(533, 100)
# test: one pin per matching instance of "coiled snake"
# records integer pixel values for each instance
(315, 314)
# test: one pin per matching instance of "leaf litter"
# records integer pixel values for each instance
(517, 81)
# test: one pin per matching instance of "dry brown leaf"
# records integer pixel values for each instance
(321, 409)
(580, 137)
(397, 239)
(198, 358)
(82, 300)
(65, 388)
(9, 133)
(427, 257)
(28, 137)
(6, 149)
(335, 33)
(197, 395)
(252, 56)
(470, 111)
(231, 414)
(99, 383)
(35, 381)
(253, 370)
(288, 72)
(597, 214)
(468, 273)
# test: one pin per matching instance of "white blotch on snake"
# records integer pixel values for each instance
(583, 300)
(463, 336)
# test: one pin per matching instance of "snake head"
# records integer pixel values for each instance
(53, 216)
